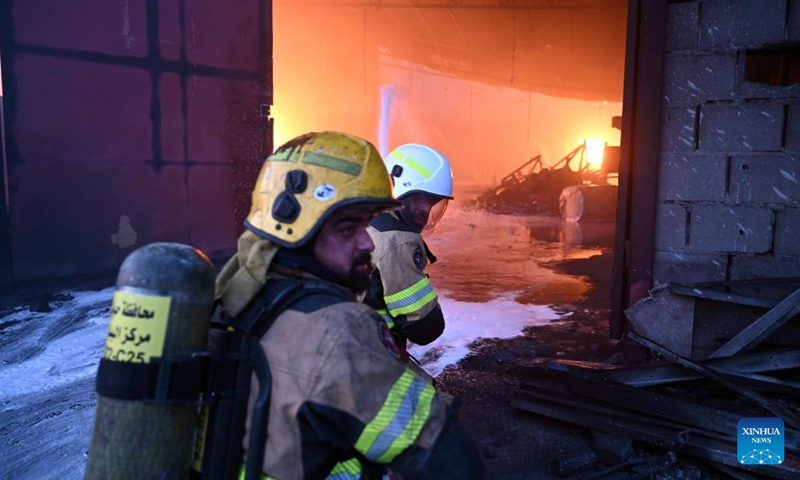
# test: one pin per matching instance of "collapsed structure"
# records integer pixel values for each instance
(575, 193)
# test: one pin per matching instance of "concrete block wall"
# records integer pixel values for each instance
(729, 161)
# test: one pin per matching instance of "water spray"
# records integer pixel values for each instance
(387, 94)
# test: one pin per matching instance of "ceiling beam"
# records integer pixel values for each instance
(460, 4)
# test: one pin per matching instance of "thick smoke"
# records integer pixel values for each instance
(334, 69)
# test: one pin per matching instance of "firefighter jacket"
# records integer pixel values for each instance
(342, 401)
(400, 290)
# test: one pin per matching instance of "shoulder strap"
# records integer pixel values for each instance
(278, 295)
(247, 359)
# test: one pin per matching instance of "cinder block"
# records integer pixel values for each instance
(742, 23)
(793, 127)
(682, 23)
(747, 267)
(753, 90)
(773, 179)
(761, 125)
(731, 228)
(693, 78)
(794, 21)
(692, 177)
(752, 126)
(665, 318)
(670, 227)
(688, 267)
(678, 129)
(719, 128)
(787, 233)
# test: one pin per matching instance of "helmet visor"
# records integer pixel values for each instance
(437, 212)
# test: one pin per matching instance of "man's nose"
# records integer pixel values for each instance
(364, 241)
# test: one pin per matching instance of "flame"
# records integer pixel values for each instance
(594, 151)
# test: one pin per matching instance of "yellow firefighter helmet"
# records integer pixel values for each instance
(309, 177)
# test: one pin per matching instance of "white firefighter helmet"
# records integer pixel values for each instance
(419, 168)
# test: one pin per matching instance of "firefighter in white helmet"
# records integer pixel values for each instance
(400, 290)
(343, 404)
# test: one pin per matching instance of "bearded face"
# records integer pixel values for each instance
(357, 278)
(344, 246)
(417, 209)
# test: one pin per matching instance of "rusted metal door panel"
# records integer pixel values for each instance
(128, 123)
(638, 166)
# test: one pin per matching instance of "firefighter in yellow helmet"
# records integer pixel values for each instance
(343, 404)
(400, 290)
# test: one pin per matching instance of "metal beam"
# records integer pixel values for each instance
(638, 163)
(459, 4)
(598, 386)
(669, 435)
(778, 410)
(762, 327)
(756, 362)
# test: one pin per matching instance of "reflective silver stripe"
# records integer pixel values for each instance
(398, 424)
(386, 317)
(343, 476)
(346, 470)
(417, 299)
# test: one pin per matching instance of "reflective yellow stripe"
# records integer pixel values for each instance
(243, 472)
(284, 156)
(411, 163)
(411, 299)
(408, 291)
(350, 168)
(414, 306)
(399, 420)
(386, 317)
(347, 470)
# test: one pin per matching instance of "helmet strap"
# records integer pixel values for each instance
(403, 212)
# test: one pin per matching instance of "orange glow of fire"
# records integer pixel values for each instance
(280, 129)
(594, 151)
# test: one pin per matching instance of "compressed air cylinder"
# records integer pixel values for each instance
(161, 309)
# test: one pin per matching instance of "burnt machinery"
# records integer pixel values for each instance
(533, 189)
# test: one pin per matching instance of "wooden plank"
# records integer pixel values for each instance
(757, 331)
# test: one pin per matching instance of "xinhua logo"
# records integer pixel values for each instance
(760, 441)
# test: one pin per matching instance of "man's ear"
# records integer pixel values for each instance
(309, 246)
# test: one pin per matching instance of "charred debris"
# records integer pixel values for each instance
(698, 383)
(571, 188)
